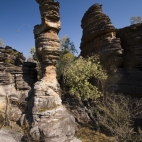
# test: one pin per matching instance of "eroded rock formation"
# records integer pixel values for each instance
(17, 78)
(131, 42)
(11, 56)
(130, 72)
(99, 37)
(52, 122)
(120, 50)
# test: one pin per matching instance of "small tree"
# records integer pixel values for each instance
(67, 46)
(64, 61)
(33, 53)
(2, 43)
(67, 55)
(78, 73)
(136, 19)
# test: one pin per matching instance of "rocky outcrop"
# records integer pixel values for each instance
(131, 42)
(128, 78)
(99, 37)
(52, 121)
(17, 79)
(11, 56)
(119, 50)
(7, 135)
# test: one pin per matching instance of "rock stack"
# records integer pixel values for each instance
(17, 79)
(120, 50)
(99, 37)
(52, 122)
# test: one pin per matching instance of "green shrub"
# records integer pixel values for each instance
(33, 53)
(78, 72)
(63, 62)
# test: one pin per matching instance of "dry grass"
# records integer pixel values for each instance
(87, 135)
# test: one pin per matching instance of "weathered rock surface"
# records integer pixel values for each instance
(5, 137)
(15, 85)
(99, 37)
(120, 50)
(52, 121)
(8, 135)
(131, 42)
(77, 108)
(17, 79)
(11, 56)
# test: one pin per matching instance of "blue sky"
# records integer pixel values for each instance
(18, 18)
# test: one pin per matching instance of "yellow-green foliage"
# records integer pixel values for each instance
(66, 45)
(88, 135)
(7, 61)
(77, 74)
(64, 61)
(15, 53)
(68, 56)
(2, 43)
(33, 53)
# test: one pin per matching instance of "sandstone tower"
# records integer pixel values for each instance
(120, 50)
(99, 37)
(52, 122)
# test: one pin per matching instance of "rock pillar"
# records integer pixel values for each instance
(120, 50)
(52, 122)
(99, 37)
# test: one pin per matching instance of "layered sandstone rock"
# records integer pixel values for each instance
(129, 76)
(120, 50)
(52, 122)
(131, 42)
(11, 56)
(99, 37)
(17, 79)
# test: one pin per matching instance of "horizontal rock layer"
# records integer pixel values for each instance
(51, 120)
(17, 79)
(11, 56)
(120, 50)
